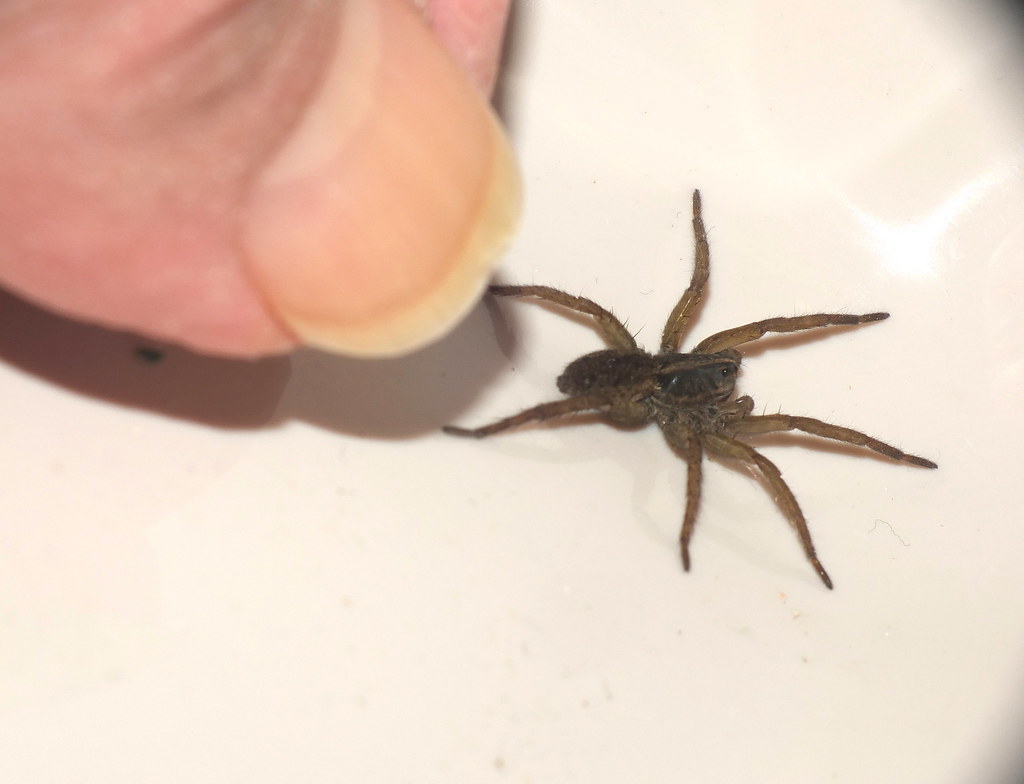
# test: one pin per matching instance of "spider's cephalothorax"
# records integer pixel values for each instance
(688, 395)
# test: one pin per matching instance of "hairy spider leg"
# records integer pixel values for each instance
(688, 446)
(558, 408)
(776, 423)
(724, 446)
(694, 474)
(736, 336)
(613, 330)
(679, 318)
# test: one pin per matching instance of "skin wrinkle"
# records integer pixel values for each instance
(190, 88)
(188, 75)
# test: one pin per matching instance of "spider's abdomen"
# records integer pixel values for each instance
(605, 371)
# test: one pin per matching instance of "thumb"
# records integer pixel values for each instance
(377, 223)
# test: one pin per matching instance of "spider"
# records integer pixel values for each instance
(689, 395)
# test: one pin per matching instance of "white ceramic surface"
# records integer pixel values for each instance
(281, 571)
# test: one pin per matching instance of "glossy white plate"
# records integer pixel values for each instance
(281, 571)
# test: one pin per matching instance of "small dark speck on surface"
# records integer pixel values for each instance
(149, 354)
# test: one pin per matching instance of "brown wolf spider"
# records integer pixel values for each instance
(688, 395)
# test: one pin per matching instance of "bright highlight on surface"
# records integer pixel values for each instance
(910, 249)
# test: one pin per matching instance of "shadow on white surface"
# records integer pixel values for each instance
(393, 398)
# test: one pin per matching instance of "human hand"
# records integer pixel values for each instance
(242, 176)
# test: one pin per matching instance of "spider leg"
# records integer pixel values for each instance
(688, 446)
(558, 408)
(724, 446)
(679, 318)
(613, 330)
(694, 455)
(775, 423)
(736, 336)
